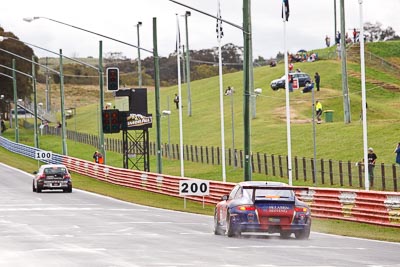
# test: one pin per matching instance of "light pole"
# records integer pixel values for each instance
(187, 14)
(35, 115)
(63, 131)
(233, 129)
(100, 71)
(343, 53)
(246, 30)
(34, 99)
(288, 130)
(138, 48)
(364, 96)
(48, 89)
(168, 113)
(156, 77)
(15, 99)
(34, 91)
(314, 136)
(221, 95)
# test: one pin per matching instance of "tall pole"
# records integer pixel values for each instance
(221, 99)
(178, 59)
(157, 96)
(288, 133)
(364, 97)
(48, 95)
(335, 20)
(169, 129)
(15, 102)
(35, 128)
(63, 126)
(183, 64)
(139, 61)
(101, 107)
(345, 88)
(246, 90)
(189, 101)
(314, 137)
(233, 132)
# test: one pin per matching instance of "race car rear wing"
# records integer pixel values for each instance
(275, 187)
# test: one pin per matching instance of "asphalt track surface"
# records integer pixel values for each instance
(84, 229)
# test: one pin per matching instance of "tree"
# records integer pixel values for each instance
(24, 83)
(375, 32)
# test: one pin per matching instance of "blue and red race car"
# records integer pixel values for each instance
(269, 207)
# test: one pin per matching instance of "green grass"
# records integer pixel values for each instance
(336, 141)
(268, 128)
(385, 49)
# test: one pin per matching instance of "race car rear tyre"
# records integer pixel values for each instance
(38, 189)
(230, 229)
(217, 227)
(33, 187)
(68, 190)
(305, 233)
(285, 234)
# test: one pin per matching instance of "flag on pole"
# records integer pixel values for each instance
(285, 10)
(219, 30)
(178, 38)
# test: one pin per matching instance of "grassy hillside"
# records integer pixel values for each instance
(337, 140)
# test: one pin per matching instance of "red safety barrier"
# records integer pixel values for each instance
(373, 207)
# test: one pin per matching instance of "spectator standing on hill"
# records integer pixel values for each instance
(228, 91)
(317, 79)
(355, 35)
(96, 156)
(290, 67)
(337, 39)
(318, 111)
(176, 100)
(290, 83)
(371, 165)
(397, 151)
(327, 41)
(3, 126)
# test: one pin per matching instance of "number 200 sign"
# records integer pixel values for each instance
(43, 154)
(194, 188)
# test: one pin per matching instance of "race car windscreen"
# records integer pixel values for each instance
(55, 171)
(271, 194)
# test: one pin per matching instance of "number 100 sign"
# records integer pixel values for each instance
(194, 188)
(41, 154)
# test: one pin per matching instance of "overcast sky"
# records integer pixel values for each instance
(309, 22)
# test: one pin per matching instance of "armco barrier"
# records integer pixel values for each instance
(152, 182)
(373, 207)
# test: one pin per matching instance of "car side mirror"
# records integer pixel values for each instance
(35, 172)
(224, 197)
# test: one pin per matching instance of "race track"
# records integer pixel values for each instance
(85, 229)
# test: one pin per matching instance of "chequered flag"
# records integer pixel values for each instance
(219, 30)
(285, 10)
